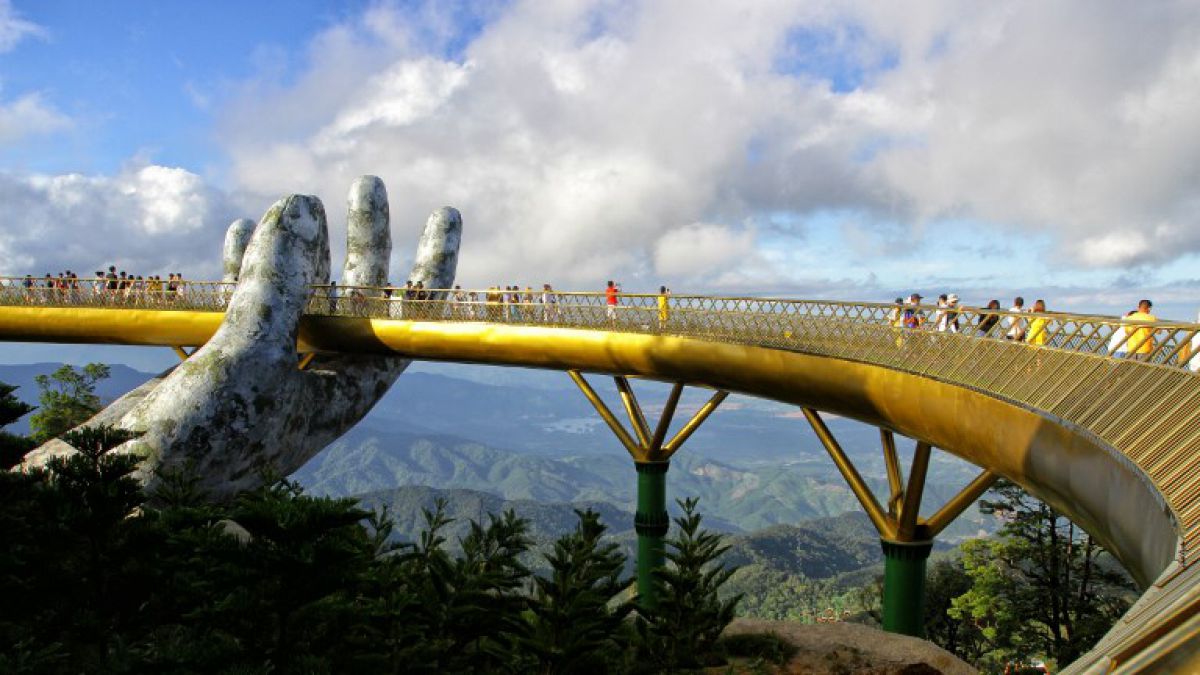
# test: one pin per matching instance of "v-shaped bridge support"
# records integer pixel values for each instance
(651, 454)
(906, 538)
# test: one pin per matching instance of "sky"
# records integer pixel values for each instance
(846, 149)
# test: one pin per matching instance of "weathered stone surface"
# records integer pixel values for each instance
(237, 238)
(239, 406)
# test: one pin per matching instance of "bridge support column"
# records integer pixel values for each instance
(651, 454)
(906, 537)
(904, 586)
(651, 523)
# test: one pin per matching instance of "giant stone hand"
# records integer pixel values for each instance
(240, 404)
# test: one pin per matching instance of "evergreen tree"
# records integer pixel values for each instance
(66, 400)
(682, 631)
(12, 447)
(1041, 588)
(945, 581)
(571, 627)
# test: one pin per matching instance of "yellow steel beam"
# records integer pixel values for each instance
(910, 508)
(637, 419)
(895, 478)
(664, 421)
(693, 424)
(1070, 467)
(960, 502)
(606, 415)
(306, 359)
(858, 486)
(180, 352)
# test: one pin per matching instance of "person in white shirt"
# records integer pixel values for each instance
(1014, 324)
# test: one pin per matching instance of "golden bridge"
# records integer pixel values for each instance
(1113, 443)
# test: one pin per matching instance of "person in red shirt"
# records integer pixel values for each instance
(610, 301)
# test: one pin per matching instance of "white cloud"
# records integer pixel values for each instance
(147, 219)
(13, 28)
(650, 141)
(697, 249)
(27, 116)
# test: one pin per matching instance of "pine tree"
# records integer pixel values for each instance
(66, 400)
(1042, 586)
(682, 630)
(571, 627)
(12, 447)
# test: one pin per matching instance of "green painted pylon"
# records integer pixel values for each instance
(651, 523)
(904, 586)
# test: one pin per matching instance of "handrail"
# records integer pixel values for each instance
(766, 321)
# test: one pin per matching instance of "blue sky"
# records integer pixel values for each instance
(842, 149)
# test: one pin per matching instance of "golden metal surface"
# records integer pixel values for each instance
(884, 525)
(647, 448)
(1112, 442)
(895, 479)
(605, 414)
(664, 421)
(960, 502)
(636, 419)
(910, 505)
(305, 359)
(693, 424)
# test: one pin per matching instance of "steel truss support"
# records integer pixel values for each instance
(182, 353)
(651, 454)
(906, 537)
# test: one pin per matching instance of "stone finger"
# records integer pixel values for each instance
(436, 260)
(368, 234)
(237, 237)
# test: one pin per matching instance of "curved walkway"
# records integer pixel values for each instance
(1109, 441)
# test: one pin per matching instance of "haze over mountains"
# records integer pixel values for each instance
(529, 435)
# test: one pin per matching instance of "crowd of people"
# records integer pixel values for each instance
(1131, 339)
(510, 303)
(108, 284)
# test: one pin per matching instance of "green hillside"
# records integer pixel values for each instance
(735, 498)
(786, 571)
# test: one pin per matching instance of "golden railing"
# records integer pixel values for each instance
(867, 331)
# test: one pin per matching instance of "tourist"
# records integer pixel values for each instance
(1117, 342)
(988, 321)
(664, 310)
(1015, 325)
(939, 315)
(610, 302)
(896, 316)
(549, 304)
(1141, 340)
(331, 295)
(1037, 326)
(913, 317)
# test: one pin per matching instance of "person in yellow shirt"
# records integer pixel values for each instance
(664, 308)
(1038, 327)
(1141, 340)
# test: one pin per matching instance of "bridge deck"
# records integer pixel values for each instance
(1141, 411)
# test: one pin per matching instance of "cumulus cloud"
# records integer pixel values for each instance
(29, 115)
(669, 140)
(147, 219)
(696, 249)
(572, 136)
(13, 28)
(577, 137)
